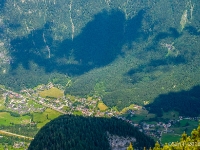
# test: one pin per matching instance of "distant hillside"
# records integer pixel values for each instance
(81, 133)
(124, 51)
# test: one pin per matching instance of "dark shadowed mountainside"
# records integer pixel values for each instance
(136, 50)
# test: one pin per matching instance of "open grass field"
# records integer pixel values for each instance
(149, 116)
(53, 92)
(170, 115)
(185, 122)
(89, 98)
(78, 113)
(169, 137)
(137, 118)
(34, 104)
(178, 130)
(185, 125)
(6, 119)
(102, 106)
(45, 117)
(124, 110)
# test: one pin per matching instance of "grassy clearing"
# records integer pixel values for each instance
(137, 118)
(45, 117)
(180, 130)
(170, 115)
(141, 112)
(41, 118)
(53, 92)
(167, 137)
(185, 125)
(124, 110)
(141, 115)
(185, 122)
(149, 116)
(102, 106)
(6, 119)
(36, 105)
(78, 113)
(89, 98)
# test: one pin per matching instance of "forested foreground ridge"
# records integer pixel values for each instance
(124, 51)
(88, 133)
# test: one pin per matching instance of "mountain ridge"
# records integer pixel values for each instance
(134, 50)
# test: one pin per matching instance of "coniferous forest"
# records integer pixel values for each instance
(133, 50)
(139, 54)
(85, 133)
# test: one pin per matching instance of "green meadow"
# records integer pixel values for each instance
(102, 106)
(42, 118)
(53, 93)
(170, 137)
(7, 120)
(34, 104)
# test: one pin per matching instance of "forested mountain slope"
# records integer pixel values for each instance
(86, 133)
(125, 51)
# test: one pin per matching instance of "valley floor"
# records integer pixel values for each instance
(23, 114)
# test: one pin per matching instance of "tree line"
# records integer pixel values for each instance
(78, 132)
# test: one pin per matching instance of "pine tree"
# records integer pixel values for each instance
(157, 146)
(130, 147)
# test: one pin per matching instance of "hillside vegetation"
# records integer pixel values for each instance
(86, 133)
(124, 51)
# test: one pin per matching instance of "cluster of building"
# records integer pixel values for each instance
(87, 107)
(19, 145)
(68, 105)
(18, 103)
(156, 129)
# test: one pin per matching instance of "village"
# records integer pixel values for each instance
(156, 130)
(30, 100)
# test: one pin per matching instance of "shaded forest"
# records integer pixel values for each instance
(134, 49)
(99, 43)
(187, 103)
(85, 133)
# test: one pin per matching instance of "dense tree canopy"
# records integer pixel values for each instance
(85, 133)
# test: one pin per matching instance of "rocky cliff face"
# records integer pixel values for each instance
(119, 142)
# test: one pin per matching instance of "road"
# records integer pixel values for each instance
(16, 135)
(37, 101)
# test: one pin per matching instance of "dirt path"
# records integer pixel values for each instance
(16, 135)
